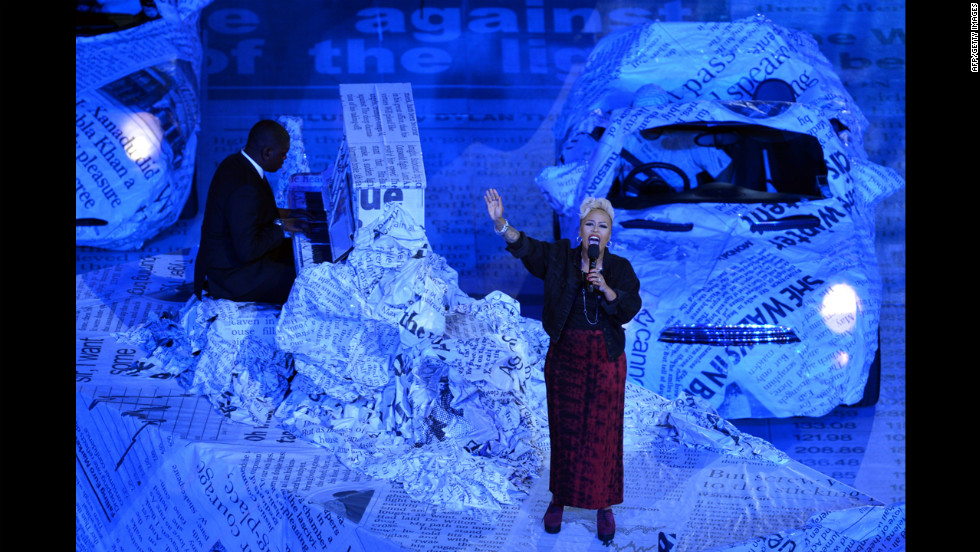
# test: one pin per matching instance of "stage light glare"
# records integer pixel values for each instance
(145, 132)
(839, 308)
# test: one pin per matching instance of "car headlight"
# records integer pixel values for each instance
(839, 308)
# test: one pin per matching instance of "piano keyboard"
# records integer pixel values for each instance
(314, 247)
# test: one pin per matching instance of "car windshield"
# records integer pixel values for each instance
(717, 162)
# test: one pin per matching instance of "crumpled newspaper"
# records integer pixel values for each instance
(223, 350)
(400, 364)
(383, 360)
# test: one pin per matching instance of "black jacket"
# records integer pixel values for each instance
(239, 237)
(559, 265)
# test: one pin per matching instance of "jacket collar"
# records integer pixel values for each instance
(254, 164)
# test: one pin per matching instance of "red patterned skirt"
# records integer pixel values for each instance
(586, 394)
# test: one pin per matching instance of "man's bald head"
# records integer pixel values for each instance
(267, 144)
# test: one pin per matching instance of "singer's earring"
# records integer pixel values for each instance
(578, 239)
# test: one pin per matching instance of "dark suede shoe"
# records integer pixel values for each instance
(607, 525)
(552, 518)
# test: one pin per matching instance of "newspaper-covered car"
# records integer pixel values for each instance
(746, 203)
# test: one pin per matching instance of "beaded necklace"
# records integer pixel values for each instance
(585, 310)
(585, 302)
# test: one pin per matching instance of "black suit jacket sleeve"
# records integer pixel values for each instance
(253, 234)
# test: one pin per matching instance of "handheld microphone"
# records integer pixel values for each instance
(593, 257)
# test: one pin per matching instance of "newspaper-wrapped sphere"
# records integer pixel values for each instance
(136, 123)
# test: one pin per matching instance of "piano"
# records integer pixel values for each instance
(330, 238)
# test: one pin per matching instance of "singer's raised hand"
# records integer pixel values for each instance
(495, 205)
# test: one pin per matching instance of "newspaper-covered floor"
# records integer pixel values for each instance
(163, 467)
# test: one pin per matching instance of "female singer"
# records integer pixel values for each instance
(589, 294)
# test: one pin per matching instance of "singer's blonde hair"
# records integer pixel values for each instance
(593, 203)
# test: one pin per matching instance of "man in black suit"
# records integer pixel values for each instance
(244, 253)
